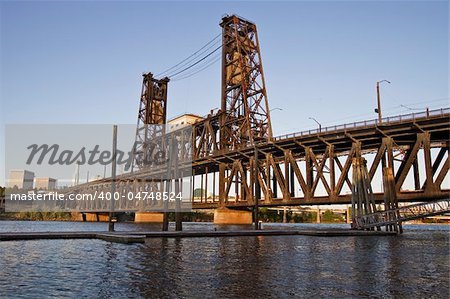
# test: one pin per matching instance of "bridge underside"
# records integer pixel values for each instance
(405, 197)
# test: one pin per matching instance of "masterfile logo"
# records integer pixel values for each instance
(152, 171)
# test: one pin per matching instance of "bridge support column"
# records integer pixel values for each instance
(228, 216)
(154, 217)
(77, 216)
(348, 217)
(96, 217)
(390, 200)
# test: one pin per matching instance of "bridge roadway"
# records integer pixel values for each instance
(328, 154)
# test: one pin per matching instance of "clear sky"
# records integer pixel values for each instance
(81, 62)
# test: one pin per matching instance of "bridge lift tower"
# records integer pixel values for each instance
(246, 116)
(152, 116)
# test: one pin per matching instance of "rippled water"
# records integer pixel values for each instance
(413, 265)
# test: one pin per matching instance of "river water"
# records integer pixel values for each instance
(412, 265)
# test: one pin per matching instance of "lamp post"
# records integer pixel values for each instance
(378, 109)
(275, 109)
(320, 126)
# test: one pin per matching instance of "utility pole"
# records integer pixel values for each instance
(378, 110)
(77, 179)
(380, 116)
(113, 180)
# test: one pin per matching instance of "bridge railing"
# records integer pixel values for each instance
(368, 123)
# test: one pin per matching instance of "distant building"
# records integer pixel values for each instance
(183, 120)
(22, 179)
(45, 183)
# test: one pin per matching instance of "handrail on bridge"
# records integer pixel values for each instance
(361, 124)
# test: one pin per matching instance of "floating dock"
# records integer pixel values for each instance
(130, 237)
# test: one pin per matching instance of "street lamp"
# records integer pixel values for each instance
(378, 109)
(320, 126)
(275, 109)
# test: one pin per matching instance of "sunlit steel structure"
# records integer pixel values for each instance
(236, 158)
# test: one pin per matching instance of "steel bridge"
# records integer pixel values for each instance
(233, 157)
(291, 167)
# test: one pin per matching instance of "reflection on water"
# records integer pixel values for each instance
(415, 264)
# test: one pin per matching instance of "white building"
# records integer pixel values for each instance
(45, 183)
(22, 179)
(183, 120)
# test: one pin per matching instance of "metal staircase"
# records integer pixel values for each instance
(401, 214)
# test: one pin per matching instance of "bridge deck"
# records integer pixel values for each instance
(370, 133)
(408, 134)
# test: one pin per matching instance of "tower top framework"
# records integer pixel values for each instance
(246, 116)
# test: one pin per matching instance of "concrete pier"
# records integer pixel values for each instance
(96, 217)
(151, 217)
(90, 217)
(228, 216)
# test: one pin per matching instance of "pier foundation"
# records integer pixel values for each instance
(96, 217)
(154, 217)
(228, 216)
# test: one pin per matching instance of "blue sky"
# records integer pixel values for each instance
(81, 62)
